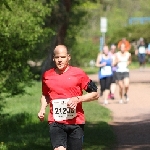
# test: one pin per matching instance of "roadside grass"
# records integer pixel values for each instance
(91, 70)
(135, 65)
(98, 133)
(94, 70)
(20, 128)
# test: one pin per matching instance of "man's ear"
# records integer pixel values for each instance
(69, 56)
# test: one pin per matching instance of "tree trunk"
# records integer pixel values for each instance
(61, 23)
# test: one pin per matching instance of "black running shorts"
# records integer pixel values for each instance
(122, 75)
(68, 136)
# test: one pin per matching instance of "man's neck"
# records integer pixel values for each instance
(61, 71)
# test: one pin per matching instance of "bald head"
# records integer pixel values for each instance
(61, 58)
(60, 49)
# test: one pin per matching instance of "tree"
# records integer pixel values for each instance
(69, 17)
(21, 28)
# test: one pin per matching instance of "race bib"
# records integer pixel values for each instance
(142, 50)
(122, 65)
(60, 110)
(106, 70)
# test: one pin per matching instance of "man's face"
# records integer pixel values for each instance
(61, 58)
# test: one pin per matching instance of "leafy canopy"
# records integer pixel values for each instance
(21, 28)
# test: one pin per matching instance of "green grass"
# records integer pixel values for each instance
(90, 70)
(135, 65)
(98, 133)
(20, 128)
(94, 70)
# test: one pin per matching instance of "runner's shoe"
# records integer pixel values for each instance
(121, 101)
(112, 96)
(126, 97)
(105, 102)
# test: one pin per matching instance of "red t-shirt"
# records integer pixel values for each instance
(62, 86)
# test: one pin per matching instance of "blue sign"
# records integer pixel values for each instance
(139, 20)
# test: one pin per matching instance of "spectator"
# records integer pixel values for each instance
(126, 42)
(141, 52)
(114, 80)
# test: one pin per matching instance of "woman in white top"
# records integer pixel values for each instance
(122, 60)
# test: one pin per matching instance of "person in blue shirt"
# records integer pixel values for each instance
(104, 62)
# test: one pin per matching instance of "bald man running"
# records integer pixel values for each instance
(62, 90)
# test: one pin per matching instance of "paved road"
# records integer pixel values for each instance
(131, 122)
(136, 76)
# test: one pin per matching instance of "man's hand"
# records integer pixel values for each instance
(73, 102)
(41, 115)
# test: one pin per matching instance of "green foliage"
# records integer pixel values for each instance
(83, 52)
(80, 40)
(83, 38)
(132, 33)
(30, 29)
(20, 31)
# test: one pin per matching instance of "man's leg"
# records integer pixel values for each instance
(58, 136)
(75, 138)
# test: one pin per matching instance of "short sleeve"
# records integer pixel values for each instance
(84, 80)
(45, 88)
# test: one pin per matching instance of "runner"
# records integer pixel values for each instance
(62, 90)
(141, 51)
(114, 80)
(104, 62)
(122, 60)
(126, 42)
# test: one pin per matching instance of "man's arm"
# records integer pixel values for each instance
(72, 103)
(92, 93)
(90, 96)
(44, 103)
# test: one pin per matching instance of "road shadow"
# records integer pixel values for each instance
(133, 135)
(18, 132)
